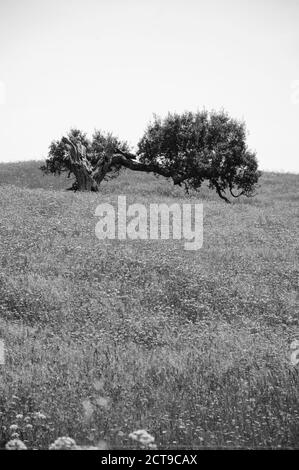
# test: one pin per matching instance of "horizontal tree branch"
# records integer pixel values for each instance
(132, 164)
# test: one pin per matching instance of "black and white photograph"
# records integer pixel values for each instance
(149, 202)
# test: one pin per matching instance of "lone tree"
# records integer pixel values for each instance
(188, 147)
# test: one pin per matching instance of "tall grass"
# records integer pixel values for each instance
(103, 338)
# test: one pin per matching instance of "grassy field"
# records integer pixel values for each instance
(106, 337)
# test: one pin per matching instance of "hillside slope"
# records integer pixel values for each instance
(105, 337)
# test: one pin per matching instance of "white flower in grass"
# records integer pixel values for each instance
(295, 358)
(152, 446)
(63, 443)
(39, 415)
(88, 409)
(294, 344)
(19, 416)
(15, 444)
(13, 427)
(142, 436)
(295, 352)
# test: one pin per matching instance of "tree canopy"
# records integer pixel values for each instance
(189, 148)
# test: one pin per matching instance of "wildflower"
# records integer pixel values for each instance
(19, 416)
(295, 358)
(39, 415)
(152, 446)
(27, 419)
(102, 445)
(88, 409)
(15, 435)
(103, 402)
(13, 427)
(142, 436)
(15, 444)
(294, 344)
(98, 385)
(29, 426)
(63, 443)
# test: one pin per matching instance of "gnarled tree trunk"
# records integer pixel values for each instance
(80, 167)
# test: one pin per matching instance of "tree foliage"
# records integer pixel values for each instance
(189, 148)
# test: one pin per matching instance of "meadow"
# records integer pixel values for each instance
(106, 337)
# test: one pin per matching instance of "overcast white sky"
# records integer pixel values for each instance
(111, 64)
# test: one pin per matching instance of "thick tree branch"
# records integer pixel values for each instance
(132, 164)
(236, 195)
(220, 193)
(241, 193)
(128, 155)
